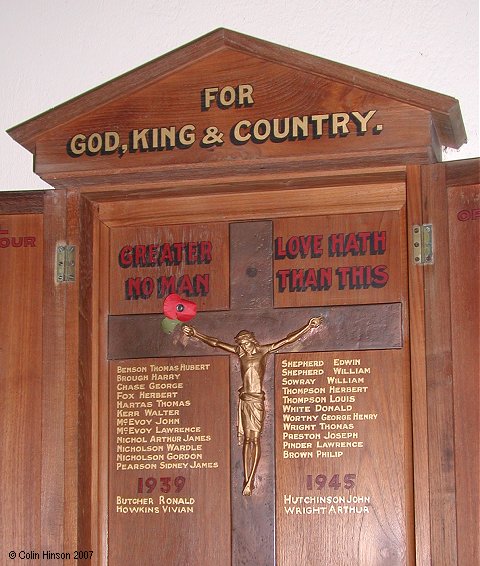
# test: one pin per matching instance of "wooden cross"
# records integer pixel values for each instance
(251, 307)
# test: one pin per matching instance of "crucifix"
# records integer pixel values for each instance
(251, 290)
(251, 403)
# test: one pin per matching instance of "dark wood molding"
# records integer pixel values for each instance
(445, 110)
(24, 202)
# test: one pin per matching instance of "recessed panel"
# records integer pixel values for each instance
(169, 463)
(341, 458)
(337, 259)
(147, 264)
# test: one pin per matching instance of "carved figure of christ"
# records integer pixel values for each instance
(251, 405)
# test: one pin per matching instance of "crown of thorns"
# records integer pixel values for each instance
(245, 335)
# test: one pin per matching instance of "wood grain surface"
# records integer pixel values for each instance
(358, 326)
(418, 335)
(324, 260)
(190, 260)
(342, 493)
(227, 134)
(418, 364)
(464, 233)
(21, 276)
(278, 92)
(172, 511)
(438, 350)
(445, 110)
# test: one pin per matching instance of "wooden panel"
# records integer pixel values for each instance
(438, 347)
(71, 466)
(368, 326)
(139, 336)
(100, 392)
(337, 260)
(169, 479)
(53, 385)
(270, 202)
(342, 457)
(287, 112)
(91, 504)
(93, 390)
(445, 110)
(149, 263)
(464, 224)
(30, 202)
(21, 268)
(251, 265)
(421, 478)
(462, 172)
(289, 91)
(283, 171)
(253, 520)
(246, 181)
(350, 327)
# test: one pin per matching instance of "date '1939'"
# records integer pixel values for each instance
(322, 482)
(148, 485)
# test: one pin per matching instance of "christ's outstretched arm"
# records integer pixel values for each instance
(294, 336)
(209, 340)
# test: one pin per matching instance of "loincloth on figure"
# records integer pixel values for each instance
(251, 413)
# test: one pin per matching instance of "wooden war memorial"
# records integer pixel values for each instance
(275, 192)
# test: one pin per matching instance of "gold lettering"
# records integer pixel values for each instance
(139, 136)
(339, 123)
(209, 95)
(94, 143)
(300, 123)
(363, 120)
(167, 137)
(245, 94)
(112, 141)
(237, 134)
(261, 130)
(186, 135)
(317, 123)
(281, 135)
(227, 96)
(78, 144)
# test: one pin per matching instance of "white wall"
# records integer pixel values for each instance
(53, 50)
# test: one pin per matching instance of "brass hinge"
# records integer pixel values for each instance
(423, 244)
(65, 263)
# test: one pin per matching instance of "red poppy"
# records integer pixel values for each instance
(176, 308)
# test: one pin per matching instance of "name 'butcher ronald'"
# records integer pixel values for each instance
(251, 404)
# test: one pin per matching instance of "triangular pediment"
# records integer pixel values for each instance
(227, 97)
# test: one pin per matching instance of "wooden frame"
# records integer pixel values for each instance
(101, 211)
(23, 462)
(94, 194)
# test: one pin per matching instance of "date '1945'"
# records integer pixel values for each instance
(321, 481)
